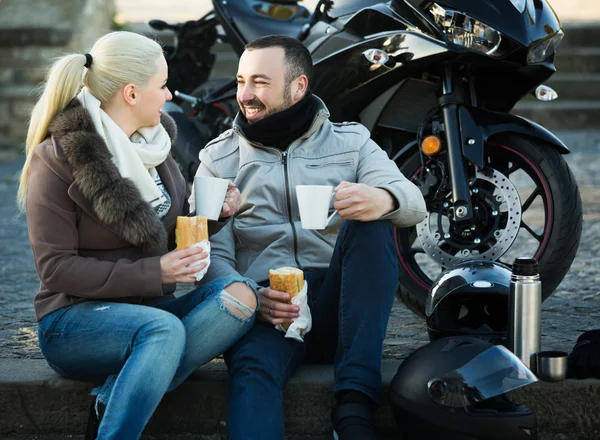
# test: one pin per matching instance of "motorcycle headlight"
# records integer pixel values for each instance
(544, 50)
(466, 31)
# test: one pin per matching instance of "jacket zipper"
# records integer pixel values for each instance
(284, 155)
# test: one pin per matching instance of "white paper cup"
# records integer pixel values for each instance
(313, 203)
(209, 195)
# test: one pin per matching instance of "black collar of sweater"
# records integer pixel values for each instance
(280, 129)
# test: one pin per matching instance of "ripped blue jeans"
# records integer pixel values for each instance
(141, 352)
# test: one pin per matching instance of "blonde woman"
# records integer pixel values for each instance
(101, 194)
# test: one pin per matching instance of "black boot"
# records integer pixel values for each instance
(94, 419)
(352, 417)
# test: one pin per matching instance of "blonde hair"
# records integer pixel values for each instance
(119, 58)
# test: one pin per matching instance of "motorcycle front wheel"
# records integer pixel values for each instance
(527, 204)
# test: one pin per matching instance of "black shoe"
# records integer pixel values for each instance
(91, 433)
(353, 421)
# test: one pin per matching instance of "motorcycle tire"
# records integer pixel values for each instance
(560, 199)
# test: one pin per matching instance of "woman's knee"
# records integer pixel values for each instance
(243, 303)
(165, 329)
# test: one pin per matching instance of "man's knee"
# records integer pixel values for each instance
(243, 303)
(369, 231)
(251, 366)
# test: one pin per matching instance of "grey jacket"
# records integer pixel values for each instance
(266, 232)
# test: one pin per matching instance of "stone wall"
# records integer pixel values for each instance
(32, 34)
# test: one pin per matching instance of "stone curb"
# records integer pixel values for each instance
(35, 400)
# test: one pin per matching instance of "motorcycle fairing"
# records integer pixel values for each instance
(404, 105)
(503, 16)
(345, 79)
(345, 7)
(244, 24)
(491, 123)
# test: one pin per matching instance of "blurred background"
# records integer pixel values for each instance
(32, 32)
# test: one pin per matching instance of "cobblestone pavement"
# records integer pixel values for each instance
(574, 307)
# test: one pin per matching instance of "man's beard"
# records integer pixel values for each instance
(287, 103)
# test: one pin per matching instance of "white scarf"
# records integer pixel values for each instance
(135, 157)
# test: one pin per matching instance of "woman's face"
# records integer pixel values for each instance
(152, 97)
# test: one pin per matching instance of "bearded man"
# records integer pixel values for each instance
(282, 137)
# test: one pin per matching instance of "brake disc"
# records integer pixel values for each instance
(442, 244)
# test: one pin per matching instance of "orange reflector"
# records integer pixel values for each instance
(431, 145)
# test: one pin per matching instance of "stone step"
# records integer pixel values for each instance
(227, 61)
(580, 35)
(35, 400)
(576, 86)
(578, 60)
(561, 115)
(190, 436)
(585, 142)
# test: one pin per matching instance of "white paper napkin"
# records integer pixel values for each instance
(205, 246)
(303, 323)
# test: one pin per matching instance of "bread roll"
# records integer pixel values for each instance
(287, 279)
(190, 230)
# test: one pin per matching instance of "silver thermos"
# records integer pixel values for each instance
(525, 310)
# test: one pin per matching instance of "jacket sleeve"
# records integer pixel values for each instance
(215, 226)
(51, 219)
(376, 169)
(222, 255)
(222, 244)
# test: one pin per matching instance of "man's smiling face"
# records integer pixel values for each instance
(263, 88)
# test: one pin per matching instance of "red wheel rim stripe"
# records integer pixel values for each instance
(548, 219)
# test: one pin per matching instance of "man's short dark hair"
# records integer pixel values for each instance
(297, 56)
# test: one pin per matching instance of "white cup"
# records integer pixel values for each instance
(313, 202)
(209, 195)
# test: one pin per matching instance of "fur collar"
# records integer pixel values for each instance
(115, 200)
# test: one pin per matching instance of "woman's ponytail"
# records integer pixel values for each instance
(63, 82)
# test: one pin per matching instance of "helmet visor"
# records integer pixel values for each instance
(491, 373)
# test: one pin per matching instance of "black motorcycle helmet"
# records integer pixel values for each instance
(471, 300)
(454, 389)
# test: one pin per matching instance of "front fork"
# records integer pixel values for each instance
(456, 136)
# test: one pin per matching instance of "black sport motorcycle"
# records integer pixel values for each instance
(434, 82)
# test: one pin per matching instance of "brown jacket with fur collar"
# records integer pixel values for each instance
(93, 236)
